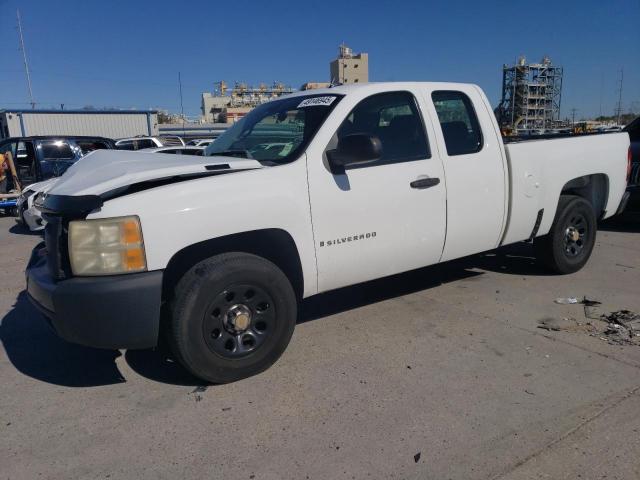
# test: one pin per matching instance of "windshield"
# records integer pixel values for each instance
(275, 132)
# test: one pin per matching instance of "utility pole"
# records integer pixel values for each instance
(24, 58)
(619, 105)
(181, 107)
(573, 116)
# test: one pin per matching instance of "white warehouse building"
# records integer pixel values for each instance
(102, 123)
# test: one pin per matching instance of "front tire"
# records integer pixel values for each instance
(233, 316)
(570, 241)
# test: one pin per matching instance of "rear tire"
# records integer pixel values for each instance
(570, 241)
(232, 317)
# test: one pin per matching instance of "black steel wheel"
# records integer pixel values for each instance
(238, 320)
(571, 238)
(575, 235)
(232, 317)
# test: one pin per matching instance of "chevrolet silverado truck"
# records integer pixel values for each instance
(307, 193)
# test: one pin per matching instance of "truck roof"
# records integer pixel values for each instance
(379, 87)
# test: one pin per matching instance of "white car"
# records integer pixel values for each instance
(200, 142)
(376, 179)
(188, 150)
(28, 214)
(140, 143)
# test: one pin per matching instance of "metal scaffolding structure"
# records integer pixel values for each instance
(531, 94)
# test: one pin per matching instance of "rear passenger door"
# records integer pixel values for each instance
(381, 218)
(474, 170)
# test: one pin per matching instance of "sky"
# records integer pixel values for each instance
(127, 54)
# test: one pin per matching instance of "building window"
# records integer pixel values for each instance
(355, 81)
(355, 66)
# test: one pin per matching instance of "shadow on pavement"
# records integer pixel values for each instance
(35, 350)
(19, 229)
(627, 222)
(157, 366)
(516, 259)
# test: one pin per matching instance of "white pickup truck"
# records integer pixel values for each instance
(307, 193)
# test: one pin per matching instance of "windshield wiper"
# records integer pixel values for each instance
(233, 153)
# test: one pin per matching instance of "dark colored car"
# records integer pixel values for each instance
(633, 129)
(39, 158)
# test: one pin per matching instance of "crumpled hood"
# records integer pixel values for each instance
(106, 170)
(43, 186)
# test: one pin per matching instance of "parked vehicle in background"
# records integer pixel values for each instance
(38, 159)
(633, 129)
(188, 150)
(307, 193)
(27, 214)
(200, 142)
(140, 143)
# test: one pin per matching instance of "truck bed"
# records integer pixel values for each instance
(542, 168)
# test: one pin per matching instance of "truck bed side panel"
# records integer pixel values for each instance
(539, 169)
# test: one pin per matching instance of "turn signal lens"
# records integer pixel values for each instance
(106, 246)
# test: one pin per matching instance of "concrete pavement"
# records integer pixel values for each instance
(434, 374)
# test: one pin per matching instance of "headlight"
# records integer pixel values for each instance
(25, 195)
(106, 246)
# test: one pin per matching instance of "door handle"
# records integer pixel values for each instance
(422, 183)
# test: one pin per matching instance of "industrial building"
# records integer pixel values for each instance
(222, 106)
(103, 123)
(349, 67)
(531, 94)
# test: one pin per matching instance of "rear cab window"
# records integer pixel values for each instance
(458, 121)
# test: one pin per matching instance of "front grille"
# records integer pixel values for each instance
(634, 180)
(55, 238)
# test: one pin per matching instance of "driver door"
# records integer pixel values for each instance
(378, 219)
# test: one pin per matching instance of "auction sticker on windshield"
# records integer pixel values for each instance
(317, 101)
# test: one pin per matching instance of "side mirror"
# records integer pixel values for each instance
(357, 148)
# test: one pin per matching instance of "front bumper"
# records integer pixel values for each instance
(117, 311)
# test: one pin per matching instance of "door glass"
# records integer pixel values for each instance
(87, 146)
(58, 150)
(125, 145)
(460, 127)
(25, 163)
(394, 118)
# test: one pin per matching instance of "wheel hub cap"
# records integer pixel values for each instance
(238, 318)
(575, 236)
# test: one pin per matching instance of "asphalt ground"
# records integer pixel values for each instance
(440, 373)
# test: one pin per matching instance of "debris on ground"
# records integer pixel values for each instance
(621, 327)
(566, 300)
(416, 457)
(590, 303)
(564, 324)
(197, 391)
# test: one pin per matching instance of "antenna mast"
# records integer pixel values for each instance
(24, 58)
(181, 106)
(619, 105)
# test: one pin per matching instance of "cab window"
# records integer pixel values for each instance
(459, 123)
(394, 118)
